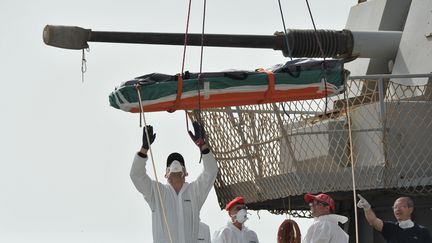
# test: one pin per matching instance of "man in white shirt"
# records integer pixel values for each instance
(235, 231)
(175, 206)
(404, 230)
(325, 228)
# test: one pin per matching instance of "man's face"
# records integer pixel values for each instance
(234, 210)
(173, 177)
(319, 208)
(401, 210)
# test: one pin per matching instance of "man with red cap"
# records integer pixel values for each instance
(235, 231)
(325, 228)
(175, 206)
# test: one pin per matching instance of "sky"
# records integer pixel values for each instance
(65, 154)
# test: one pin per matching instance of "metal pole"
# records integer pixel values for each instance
(381, 99)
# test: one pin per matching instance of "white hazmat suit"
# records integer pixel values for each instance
(325, 229)
(182, 209)
(231, 234)
(204, 233)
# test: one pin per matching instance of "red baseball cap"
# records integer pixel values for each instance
(324, 198)
(237, 200)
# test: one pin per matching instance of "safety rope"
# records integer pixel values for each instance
(352, 162)
(142, 114)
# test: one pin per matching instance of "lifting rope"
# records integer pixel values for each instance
(179, 93)
(352, 164)
(153, 164)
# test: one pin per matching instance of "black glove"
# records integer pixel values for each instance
(198, 138)
(151, 136)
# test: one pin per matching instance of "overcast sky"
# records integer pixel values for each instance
(66, 154)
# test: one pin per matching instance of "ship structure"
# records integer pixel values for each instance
(373, 138)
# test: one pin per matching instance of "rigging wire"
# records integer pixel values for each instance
(285, 32)
(323, 67)
(186, 37)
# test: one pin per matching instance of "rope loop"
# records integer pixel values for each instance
(289, 232)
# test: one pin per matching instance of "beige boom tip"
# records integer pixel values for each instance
(68, 37)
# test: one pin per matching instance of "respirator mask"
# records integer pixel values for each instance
(241, 216)
(405, 224)
(174, 167)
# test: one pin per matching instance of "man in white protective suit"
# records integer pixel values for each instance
(176, 210)
(325, 228)
(235, 231)
(204, 233)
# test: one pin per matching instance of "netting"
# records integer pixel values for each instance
(273, 151)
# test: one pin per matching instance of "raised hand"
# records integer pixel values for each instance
(199, 136)
(148, 137)
(363, 203)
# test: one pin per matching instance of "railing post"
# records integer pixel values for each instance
(381, 99)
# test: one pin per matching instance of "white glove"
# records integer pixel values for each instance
(362, 203)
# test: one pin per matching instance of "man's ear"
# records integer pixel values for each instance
(232, 217)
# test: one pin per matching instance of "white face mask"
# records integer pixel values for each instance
(405, 224)
(175, 167)
(241, 216)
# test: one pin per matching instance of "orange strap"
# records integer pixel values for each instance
(271, 84)
(179, 93)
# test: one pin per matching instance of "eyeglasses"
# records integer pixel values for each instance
(323, 204)
(399, 206)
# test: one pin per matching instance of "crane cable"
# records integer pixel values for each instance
(142, 115)
(285, 30)
(323, 67)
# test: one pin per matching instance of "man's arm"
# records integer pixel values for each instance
(206, 179)
(203, 184)
(372, 219)
(138, 174)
